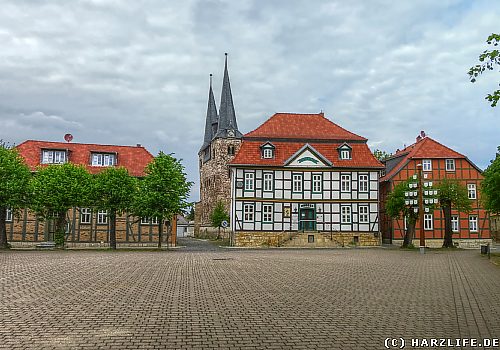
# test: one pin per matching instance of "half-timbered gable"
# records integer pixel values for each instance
(308, 186)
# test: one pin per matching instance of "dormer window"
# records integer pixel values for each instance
(103, 159)
(267, 150)
(345, 151)
(53, 156)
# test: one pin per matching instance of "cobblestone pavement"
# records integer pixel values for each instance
(193, 244)
(243, 299)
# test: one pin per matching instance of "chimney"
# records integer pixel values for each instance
(419, 138)
(138, 145)
(422, 134)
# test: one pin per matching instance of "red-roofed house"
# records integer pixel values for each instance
(85, 226)
(302, 179)
(438, 162)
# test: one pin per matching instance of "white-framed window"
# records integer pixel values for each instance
(267, 213)
(102, 217)
(427, 165)
(297, 183)
(455, 223)
(364, 214)
(345, 154)
(364, 183)
(317, 181)
(267, 153)
(9, 215)
(268, 182)
(148, 220)
(50, 156)
(345, 214)
(428, 222)
(144, 220)
(103, 159)
(450, 164)
(249, 181)
(248, 212)
(473, 223)
(85, 215)
(345, 183)
(472, 191)
(154, 221)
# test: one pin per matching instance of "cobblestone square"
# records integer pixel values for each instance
(243, 299)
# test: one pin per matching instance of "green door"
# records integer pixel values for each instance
(307, 219)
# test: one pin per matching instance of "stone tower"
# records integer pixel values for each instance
(221, 142)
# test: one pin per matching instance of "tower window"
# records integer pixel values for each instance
(230, 150)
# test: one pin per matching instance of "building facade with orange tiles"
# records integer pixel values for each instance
(438, 162)
(300, 179)
(85, 226)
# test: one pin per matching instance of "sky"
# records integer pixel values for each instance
(129, 72)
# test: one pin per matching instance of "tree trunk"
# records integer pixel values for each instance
(218, 233)
(160, 233)
(60, 229)
(409, 234)
(3, 229)
(112, 229)
(448, 234)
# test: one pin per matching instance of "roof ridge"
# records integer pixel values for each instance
(82, 143)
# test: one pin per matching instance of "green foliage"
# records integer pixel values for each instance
(381, 155)
(14, 186)
(190, 215)
(488, 60)
(114, 190)
(164, 191)
(491, 185)
(218, 215)
(58, 188)
(453, 194)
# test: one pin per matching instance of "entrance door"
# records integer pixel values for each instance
(307, 219)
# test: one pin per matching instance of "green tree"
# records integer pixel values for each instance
(452, 194)
(190, 213)
(14, 186)
(218, 216)
(114, 192)
(395, 207)
(163, 192)
(488, 60)
(58, 188)
(381, 155)
(490, 187)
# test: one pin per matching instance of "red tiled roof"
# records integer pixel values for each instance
(427, 148)
(250, 154)
(133, 158)
(302, 126)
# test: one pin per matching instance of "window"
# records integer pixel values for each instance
(8, 213)
(85, 215)
(450, 164)
(363, 214)
(363, 183)
(473, 223)
(230, 150)
(268, 182)
(428, 221)
(267, 153)
(345, 217)
(102, 217)
(248, 211)
(427, 165)
(103, 159)
(317, 180)
(144, 220)
(53, 157)
(249, 177)
(455, 226)
(472, 191)
(267, 213)
(345, 183)
(345, 154)
(154, 220)
(148, 220)
(297, 182)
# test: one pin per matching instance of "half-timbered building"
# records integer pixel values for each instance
(438, 162)
(300, 179)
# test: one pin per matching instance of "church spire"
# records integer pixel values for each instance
(211, 119)
(227, 117)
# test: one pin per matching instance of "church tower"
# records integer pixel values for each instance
(221, 142)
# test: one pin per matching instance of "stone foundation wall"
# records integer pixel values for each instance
(305, 239)
(438, 243)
